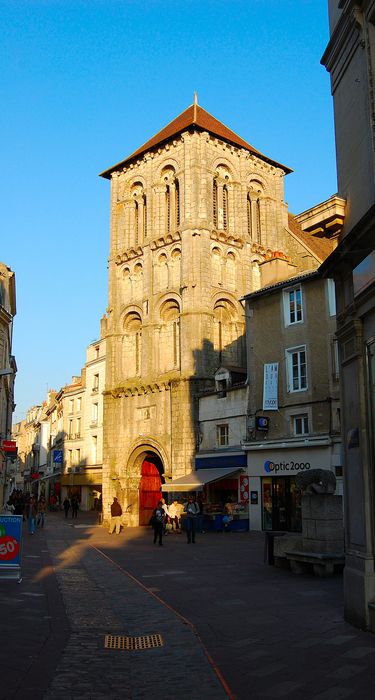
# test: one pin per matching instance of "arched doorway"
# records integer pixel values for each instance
(149, 487)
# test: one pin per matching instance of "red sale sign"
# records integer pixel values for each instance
(9, 548)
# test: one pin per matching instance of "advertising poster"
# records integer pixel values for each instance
(10, 544)
(270, 387)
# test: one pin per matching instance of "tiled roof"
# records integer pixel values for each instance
(321, 248)
(194, 116)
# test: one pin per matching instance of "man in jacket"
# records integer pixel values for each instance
(192, 510)
(116, 513)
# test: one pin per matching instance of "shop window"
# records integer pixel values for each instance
(223, 435)
(296, 368)
(293, 311)
(301, 424)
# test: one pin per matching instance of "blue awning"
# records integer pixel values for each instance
(224, 461)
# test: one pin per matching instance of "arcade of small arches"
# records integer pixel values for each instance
(228, 326)
(166, 201)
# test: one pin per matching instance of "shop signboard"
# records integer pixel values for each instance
(270, 386)
(288, 462)
(10, 546)
(57, 456)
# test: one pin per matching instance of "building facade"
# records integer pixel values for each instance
(8, 370)
(194, 214)
(293, 412)
(350, 60)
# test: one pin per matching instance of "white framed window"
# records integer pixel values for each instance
(331, 296)
(71, 405)
(296, 368)
(95, 386)
(70, 428)
(293, 307)
(94, 448)
(94, 413)
(78, 426)
(300, 424)
(79, 404)
(335, 359)
(222, 434)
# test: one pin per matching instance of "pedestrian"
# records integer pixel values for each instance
(30, 513)
(172, 512)
(41, 511)
(116, 513)
(192, 510)
(66, 506)
(75, 505)
(228, 515)
(157, 521)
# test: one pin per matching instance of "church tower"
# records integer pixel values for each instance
(194, 213)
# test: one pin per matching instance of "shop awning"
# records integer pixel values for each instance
(196, 480)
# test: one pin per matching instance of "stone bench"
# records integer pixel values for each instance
(323, 564)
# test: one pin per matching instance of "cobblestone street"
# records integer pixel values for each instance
(231, 626)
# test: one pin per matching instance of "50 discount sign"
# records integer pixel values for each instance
(10, 540)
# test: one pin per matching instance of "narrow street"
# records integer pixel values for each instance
(230, 625)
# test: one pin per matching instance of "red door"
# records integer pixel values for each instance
(149, 491)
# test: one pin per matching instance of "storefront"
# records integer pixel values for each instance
(214, 487)
(275, 501)
(85, 485)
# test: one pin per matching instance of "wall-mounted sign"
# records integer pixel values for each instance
(58, 456)
(254, 498)
(244, 489)
(262, 423)
(270, 386)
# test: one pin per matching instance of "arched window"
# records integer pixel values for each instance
(168, 207)
(169, 356)
(225, 331)
(254, 197)
(220, 198)
(139, 213)
(225, 208)
(132, 344)
(136, 223)
(144, 216)
(177, 202)
(214, 204)
(172, 199)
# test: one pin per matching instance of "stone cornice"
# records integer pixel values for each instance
(229, 239)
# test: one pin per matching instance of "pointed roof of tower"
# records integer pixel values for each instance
(193, 117)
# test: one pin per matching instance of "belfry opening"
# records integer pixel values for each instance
(150, 486)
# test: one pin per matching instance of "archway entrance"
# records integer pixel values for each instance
(149, 487)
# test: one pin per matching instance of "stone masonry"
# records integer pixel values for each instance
(194, 212)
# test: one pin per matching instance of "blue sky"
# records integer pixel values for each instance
(83, 84)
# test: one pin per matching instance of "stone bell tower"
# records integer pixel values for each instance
(194, 211)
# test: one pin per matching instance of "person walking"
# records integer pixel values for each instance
(41, 511)
(66, 506)
(158, 518)
(192, 510)
(75, 506)
(30, 513)
(116, 513)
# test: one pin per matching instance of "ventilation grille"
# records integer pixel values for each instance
(149, 641)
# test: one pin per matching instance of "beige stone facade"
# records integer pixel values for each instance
(8, 370)
(194, 213)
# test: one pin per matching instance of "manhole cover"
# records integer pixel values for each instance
(148, 641)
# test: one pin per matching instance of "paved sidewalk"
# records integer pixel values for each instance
(269, 633)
